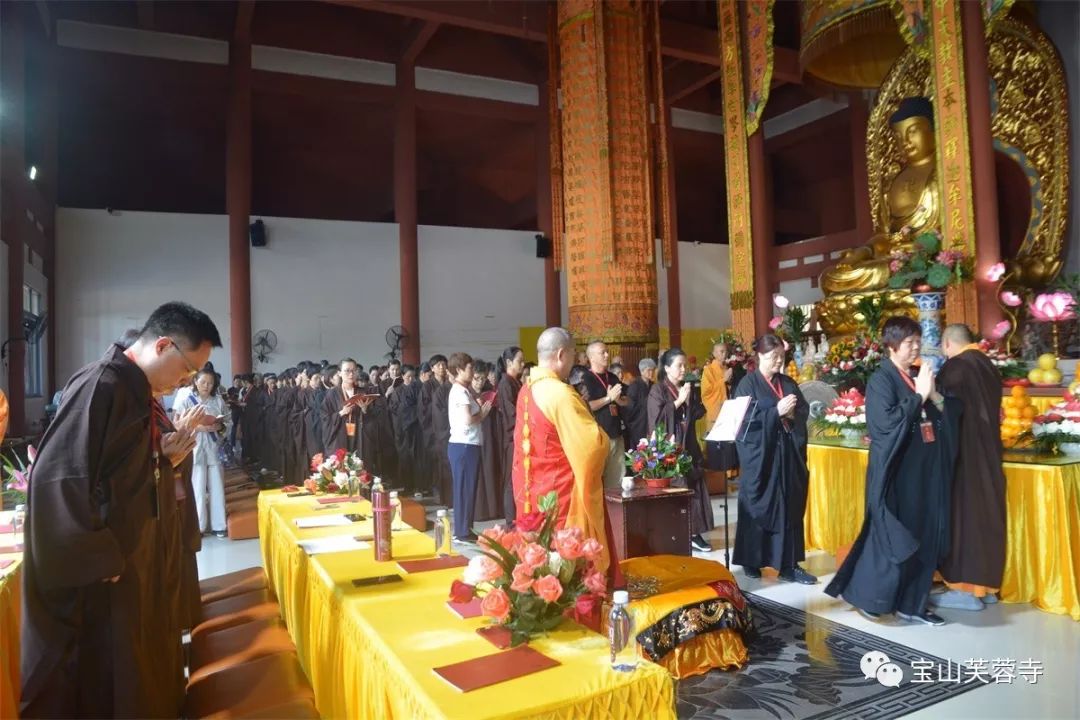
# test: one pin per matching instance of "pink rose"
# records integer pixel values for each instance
(548, 588)
(493, 534)
(596, 583)
(482, 569)
(496, 604)
(511, 540)
(530, 522)
(523, 578)
(776, 322)
(591, 549)
(567, 542)
(533, 555)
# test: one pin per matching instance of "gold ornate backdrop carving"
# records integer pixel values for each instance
(1031, 121)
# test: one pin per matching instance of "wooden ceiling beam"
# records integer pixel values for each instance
(420, 34)
(690, 87)
(501, 18)
(144, 10)
(245, 10)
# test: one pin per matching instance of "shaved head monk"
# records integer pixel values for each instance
(565, 448)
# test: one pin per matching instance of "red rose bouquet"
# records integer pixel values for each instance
(341, 473)
(532, 576)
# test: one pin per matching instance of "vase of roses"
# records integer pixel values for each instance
(534, 576)
(342, 473)
(658, 459)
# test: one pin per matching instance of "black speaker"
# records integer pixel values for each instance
(257, 231)
(543, 246)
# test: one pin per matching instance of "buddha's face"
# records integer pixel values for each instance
(916, 138)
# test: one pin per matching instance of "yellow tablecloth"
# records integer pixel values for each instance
(370, 652)
(1042, 564)
(10, 589)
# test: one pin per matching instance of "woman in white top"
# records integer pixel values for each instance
(206, 473)
(465, 416)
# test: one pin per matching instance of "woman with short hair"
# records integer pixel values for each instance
(466, 417)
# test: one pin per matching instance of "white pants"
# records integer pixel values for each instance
(203, 474)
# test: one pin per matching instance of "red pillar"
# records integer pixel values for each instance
(983, 172)
(405, 207)
(544, 218)
(858, 116)
(761, 232)
(238, 196)
(13, 219)
(674, 297)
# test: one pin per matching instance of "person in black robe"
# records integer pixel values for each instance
(271, 431)
(913, 444)
(440, 426)
(98, 628)
(254, 421)
(636, 414)
(403, 402)
(489, 497)
(511, 367)
(678, 405)
(433, 468)
(338, 414)
(378, 450)
(975, 563)
(772, 453)
(422, 480)
(313, 416)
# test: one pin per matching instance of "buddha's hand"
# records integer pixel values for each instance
(854, 256)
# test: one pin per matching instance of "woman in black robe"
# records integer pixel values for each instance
(511, 367)
(772, 454)
(338, 413)
(489, 498)
(403, 402)
(678, 406)
(913, 444)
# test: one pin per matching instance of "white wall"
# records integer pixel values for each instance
(326, 288)
(477, 287)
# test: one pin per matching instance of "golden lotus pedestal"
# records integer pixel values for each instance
(838, 314)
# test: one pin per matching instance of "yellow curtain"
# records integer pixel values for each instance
(10, 586)
(1042, 564)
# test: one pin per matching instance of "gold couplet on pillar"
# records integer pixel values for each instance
(954, 149)
(611, 278)
(737, 172)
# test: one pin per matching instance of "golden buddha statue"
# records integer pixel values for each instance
(914, 202)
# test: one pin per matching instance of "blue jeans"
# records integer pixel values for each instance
(465, 467)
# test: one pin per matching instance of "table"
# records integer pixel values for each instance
(10, 610)
(1042, 563)
(649, 521)
(369, 652)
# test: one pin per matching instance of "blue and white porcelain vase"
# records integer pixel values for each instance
(930, 306)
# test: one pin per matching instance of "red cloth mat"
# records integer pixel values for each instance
(437, 563)
(497, 635)
(493, 669)
(467, 610)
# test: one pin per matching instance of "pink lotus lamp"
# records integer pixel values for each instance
(1053, 308)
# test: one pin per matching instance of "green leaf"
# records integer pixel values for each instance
(929, 242)
(938, 276)
(549, 502)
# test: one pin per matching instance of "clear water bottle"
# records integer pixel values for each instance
(395, 510)
(621, 634)
(442, 533)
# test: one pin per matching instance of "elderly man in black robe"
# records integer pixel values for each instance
(96, 622)
(975, 562)
(913, 441)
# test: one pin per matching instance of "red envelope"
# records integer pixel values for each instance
(467, 610)
(493, 669)
(439, 563)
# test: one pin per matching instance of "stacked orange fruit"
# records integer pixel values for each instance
(1018, 412)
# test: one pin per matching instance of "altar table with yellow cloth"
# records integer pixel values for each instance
(1042, 563)
(10, 593)
(369, 652)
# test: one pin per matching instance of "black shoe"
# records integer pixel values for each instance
(750, 572)
(798, 575)
(927, 618)
(872, 616)
(469, 539)
(700, 544)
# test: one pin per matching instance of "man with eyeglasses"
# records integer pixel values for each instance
(99, 617)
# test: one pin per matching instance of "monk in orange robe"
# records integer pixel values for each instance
(558, 446)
